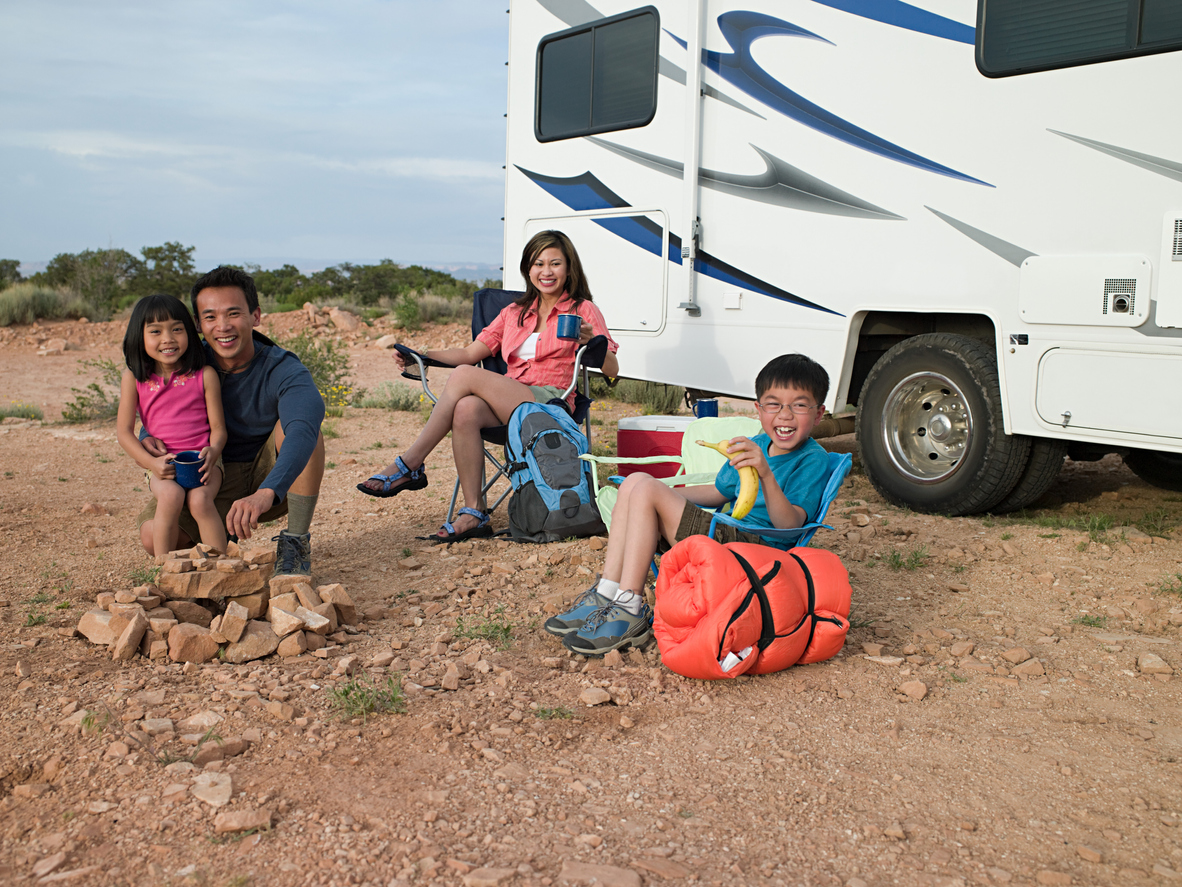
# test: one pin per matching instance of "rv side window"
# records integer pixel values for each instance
(598, 77)
(1022, 36)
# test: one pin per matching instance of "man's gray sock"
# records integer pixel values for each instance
(299, 513)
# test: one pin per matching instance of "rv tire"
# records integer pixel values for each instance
(1046, 460)
(929, 427)
(1159, 469)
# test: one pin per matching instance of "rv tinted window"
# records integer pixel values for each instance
(598, 77)
(1022, 36)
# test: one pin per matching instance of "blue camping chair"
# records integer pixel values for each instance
(839, 468)
(487, 303)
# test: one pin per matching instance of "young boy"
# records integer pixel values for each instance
(649, 516)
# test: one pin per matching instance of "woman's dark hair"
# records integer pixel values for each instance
(227, 275)
(576, 280)
(157, 309)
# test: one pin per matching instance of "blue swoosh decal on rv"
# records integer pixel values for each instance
(586, 192)
(739, 68)
(906, 16)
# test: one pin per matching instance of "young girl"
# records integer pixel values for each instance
(179, 401)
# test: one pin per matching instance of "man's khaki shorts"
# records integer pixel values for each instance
(239, 480)
(695, 521)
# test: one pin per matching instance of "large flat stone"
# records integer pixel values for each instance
(95, 626)
(258, 640)
(213, 584)
(191, 643)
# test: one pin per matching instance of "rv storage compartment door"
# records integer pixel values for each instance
(1111, 391)
(621, 253)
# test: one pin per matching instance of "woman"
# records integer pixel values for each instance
(540, 368)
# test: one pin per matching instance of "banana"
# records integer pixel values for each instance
(748, 482)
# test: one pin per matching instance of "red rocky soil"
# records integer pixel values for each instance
(1004, 713)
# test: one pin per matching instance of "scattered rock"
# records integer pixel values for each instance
(598, 875)
(257, 641)
(213, 788)
(242, 820)
(488, 877)
(1147, 663)
(915, 689)
(595, 696)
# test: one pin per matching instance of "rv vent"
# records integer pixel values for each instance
(1177, 240)
(1118, 295)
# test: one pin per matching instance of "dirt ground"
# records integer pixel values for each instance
(1060, 768)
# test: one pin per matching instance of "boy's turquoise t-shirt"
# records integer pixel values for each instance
(801, 474)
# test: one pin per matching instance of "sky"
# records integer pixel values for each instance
(260, 132)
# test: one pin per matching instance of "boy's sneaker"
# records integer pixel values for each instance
(573, 618)
(293, 554)
(610, 628)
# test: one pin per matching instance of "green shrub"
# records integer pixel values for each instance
(20, 410)
(390, 395)
(94, 403)
(26, 302)
(438, 309)
(406, 312)
(327, 361)
(654, 398)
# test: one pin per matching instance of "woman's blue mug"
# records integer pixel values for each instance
(569, 327)
(188, 469)
(706, 407)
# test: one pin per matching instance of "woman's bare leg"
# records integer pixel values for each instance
(500, 393)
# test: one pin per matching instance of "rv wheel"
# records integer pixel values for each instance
(1046, 460)
(1159, 469)
(929, 427)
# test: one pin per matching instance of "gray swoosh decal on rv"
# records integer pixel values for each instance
(1012, 253)
(1169, 168)
(780, 184)
(579, 12)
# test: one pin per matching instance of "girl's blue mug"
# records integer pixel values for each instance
(706, 407)
(188, 469)
(569, 326)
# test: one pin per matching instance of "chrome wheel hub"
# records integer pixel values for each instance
(927, 427)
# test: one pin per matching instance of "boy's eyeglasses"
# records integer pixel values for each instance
(772, 408)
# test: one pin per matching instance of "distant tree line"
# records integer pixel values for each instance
(112, 279)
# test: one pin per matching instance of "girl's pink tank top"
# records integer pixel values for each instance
(174, 411)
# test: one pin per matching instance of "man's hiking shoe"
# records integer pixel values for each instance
(572, 620)
(293, 554)
(610, 628)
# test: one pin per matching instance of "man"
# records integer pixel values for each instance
(274, 458)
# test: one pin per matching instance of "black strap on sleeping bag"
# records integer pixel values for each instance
(767, 632)
(811, 615)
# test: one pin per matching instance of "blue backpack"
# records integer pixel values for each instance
(551, 485)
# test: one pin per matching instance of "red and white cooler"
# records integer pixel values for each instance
(639, 436)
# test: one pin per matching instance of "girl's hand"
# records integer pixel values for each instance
(209, 459)
(163, 468)
(745, 453)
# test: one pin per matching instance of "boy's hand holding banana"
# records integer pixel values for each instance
(748, 458)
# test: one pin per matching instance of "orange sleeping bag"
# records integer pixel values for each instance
(739, 608)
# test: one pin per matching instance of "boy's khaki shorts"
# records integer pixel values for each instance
(695, 521)
(239, 480)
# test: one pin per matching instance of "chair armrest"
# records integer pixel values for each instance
(422, 361)
(767, 532)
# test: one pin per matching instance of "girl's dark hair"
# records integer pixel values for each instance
(155, 309)
(576, 280)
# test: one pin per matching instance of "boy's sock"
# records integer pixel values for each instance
(299, 513)
(630, 601)
(607, 588)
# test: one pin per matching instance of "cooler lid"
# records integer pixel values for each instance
(655, 423)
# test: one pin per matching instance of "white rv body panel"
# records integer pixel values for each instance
(1044, 200)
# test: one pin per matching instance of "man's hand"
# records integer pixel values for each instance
(244, 513)
(154, 446)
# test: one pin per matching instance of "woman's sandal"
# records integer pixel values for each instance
(482, 530)
(417, 479)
